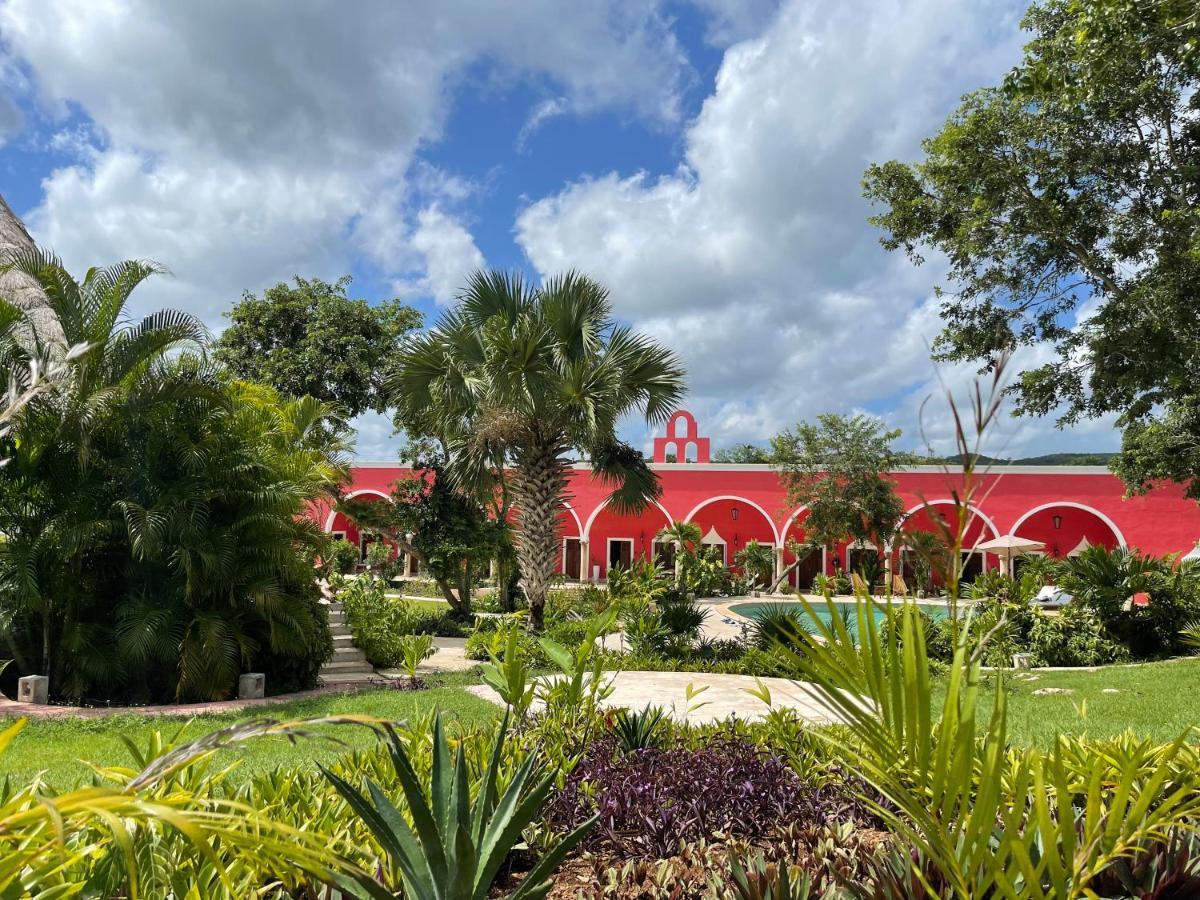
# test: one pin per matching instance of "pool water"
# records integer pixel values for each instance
(821, 609)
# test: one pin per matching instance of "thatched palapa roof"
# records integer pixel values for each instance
(17, 287)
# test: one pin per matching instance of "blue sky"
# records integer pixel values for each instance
(701, 158)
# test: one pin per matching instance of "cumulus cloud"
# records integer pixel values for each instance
(449, 254)
(755, 259)
(239, 143)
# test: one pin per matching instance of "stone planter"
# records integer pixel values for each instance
(252, 686)
(34, 689)
(1022, 660)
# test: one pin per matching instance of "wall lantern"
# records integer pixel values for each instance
(1057, 520)
(733, 513)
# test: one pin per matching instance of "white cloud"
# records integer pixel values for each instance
(449, 254)
(754, 259)
(542, 113)
(239, 143)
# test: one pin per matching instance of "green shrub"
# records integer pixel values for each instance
(343, 557)
(296, 667)
(378, 622)
(1076, 637)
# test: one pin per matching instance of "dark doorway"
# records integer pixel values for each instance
(571, 558)
(620, 553)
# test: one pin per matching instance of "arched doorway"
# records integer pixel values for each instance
(611, 539)
(737, 521)
(938, 517)
(812, 565)
(1064, 527)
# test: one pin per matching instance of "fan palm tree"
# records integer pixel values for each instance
(757, 562)
(516, 379)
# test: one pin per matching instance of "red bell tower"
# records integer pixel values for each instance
(682, 440)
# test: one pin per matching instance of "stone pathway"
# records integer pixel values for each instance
(13, 709)
(724, 696)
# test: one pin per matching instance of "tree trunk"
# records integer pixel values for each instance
(539, 482)
(46, 639)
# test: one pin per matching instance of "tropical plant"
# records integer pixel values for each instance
(509, 674)
(378, 623)
(704, 574)
(155, 544)
(639, 729)
(755, 879)
(514, 379)
(757, 561)
(414, 650)
(456, 843)
(927, 552)
(119, 836)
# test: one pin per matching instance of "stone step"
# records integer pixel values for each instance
(350, 665)
(351, 678)
(348, 654)
(342, 640)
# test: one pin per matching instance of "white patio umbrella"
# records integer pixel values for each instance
(1083, 544)
(1009, 545)
(1193, 554)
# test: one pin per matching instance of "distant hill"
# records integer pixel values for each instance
(1049, 459)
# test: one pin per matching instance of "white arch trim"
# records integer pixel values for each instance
(1073, 505)
(975, 511)
(333, 512)
(770, 521)
(788, 524)
(575, 516)
(585, 533)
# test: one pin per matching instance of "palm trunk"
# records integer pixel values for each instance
(539, 482)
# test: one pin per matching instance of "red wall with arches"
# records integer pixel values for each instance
(1160, 522)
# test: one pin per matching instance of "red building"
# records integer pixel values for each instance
(1060, 506)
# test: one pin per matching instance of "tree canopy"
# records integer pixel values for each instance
(1067, 203)
(523, 380)
(838, 468)
(309, 338)
(742, 453)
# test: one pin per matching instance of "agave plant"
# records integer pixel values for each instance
(455, 846)
(637, 730)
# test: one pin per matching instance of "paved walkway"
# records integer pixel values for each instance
(723, 696)
(13, 709)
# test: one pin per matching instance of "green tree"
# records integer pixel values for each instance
(448, 531)
(1067, 203)
(310, 339)
(742, 453)
(757, 562)
(686, 537)
(515, 380)
(837, 467)
(152, 507)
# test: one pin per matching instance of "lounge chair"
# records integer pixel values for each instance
(899, 587)
(860, 586)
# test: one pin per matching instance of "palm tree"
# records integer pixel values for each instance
(51, 510)
(516, 379)
(757, 561)
(686, 537)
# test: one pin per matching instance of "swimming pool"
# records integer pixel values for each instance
(755, 610)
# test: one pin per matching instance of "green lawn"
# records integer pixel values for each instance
(1155, 700)
(57, 747)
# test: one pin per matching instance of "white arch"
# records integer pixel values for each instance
(1073, 505)
(770, 521)
(975, 510)
(333, 512)
(575, 516)
(788, 524)
(586, 533)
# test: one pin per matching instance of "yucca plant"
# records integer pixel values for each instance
(511, 675)
(452, 845)
(414, 650)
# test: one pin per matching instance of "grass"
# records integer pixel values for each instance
(57, 747)
(1154, 700)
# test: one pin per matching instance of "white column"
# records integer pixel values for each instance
(584, 560)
